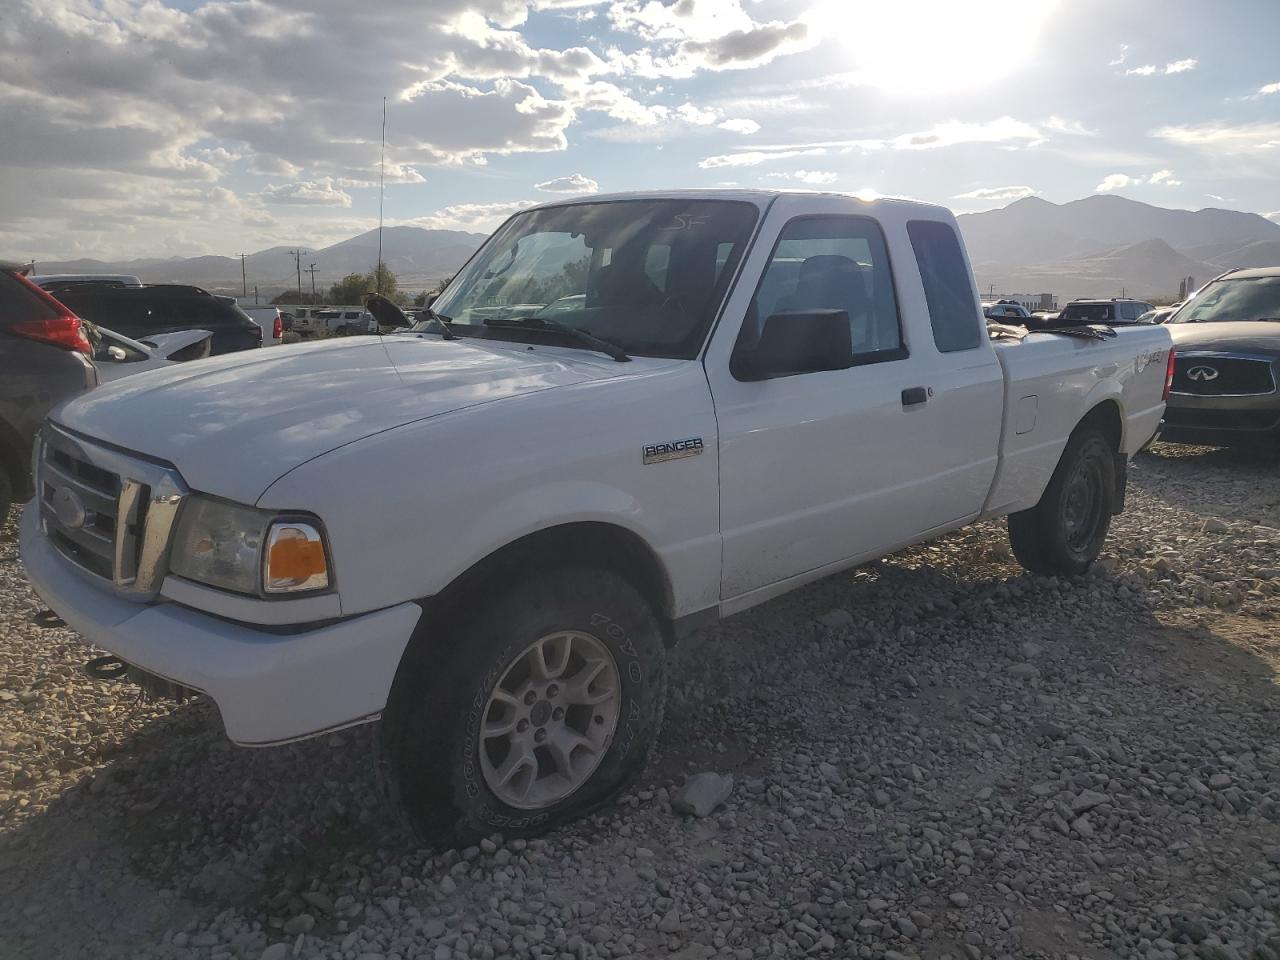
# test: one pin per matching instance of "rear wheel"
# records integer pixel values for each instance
(527, 712)
(1064, 533)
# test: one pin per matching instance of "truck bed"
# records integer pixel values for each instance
(1051, 382)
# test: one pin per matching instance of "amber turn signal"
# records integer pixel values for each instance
(296, 559)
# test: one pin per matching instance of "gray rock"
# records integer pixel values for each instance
(1086, 800)
(1024, 671)
(837, 620)
(277, 951)
(959, 899)
(302, 923)
(670, 922)
(702, 793)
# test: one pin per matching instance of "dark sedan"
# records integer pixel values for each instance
(1227, 366)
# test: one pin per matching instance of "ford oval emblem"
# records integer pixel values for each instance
(1203, 374)
(69, 508)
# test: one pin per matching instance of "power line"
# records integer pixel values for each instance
(311, 270)
(244, 277)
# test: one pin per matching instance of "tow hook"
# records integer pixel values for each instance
(106, 668)
(47, 620)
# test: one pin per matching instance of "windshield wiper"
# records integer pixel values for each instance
(586, 339)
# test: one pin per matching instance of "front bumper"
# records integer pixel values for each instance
(269, 687)
(1223, 421)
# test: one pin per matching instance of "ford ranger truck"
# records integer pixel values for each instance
(624, 418)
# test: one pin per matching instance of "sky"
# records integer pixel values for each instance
(142, 128)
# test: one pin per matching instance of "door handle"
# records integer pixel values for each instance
(914, 396)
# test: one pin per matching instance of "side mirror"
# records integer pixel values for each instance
(384, 312)
(430, 299)
(807, 341)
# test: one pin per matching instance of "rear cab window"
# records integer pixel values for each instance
(948, 287)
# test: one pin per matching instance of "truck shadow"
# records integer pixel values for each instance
(192, 827)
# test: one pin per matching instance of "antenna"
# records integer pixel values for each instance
(382, 180)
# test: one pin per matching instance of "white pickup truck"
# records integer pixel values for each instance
(488, 529)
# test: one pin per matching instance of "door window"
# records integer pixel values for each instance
(948, 288)
(833, 263)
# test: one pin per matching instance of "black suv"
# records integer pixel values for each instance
(139, 312)
(44, 359)
(1115, 310)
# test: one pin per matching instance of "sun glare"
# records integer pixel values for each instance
(925, 47)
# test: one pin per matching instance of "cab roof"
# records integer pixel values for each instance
(760, 197)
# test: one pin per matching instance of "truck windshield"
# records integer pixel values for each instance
(647, 275)
(1233, 298)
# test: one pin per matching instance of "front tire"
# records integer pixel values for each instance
(1064, 533)
(529, 711)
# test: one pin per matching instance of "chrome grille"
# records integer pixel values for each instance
(109, 513)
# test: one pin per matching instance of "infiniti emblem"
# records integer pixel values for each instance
(69, 508)
(1203, 373)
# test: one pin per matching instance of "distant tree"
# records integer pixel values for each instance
(352, 288)
(289, 296)
(421, 299)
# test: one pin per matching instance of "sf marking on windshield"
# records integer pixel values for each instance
(675, 450)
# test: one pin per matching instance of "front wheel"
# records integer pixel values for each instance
(530, 711)
(1064, 533)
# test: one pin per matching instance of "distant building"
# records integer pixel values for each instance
(1032, 301)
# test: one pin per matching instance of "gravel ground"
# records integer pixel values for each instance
(934, 756)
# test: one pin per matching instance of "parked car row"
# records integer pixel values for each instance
(49, 352)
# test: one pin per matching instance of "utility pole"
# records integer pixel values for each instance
(297, 261)
(382, 180)
(311, 270)
(244, 277)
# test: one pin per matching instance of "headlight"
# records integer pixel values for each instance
(221, 544)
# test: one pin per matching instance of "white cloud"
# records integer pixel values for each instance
(1118, 181)
(740, 125)
(1173, 66)
(1269, 89)
(574, 183)
(471, 216)
(1273, 215)
(1248, 139)
(999, 193)
(1073, 128)
(1006, 131)
(311, 192)
(1122, 57)
(695, 115)
(813, 178)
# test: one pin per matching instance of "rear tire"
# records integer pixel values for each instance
(1064, 533)
(571, 656)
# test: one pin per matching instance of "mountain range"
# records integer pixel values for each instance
(419, 258)
(1108, 246)
(1101, 246)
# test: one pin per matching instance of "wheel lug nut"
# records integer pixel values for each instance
(552, 690)
(557, 714)
(522, 726)
(530, 698)
(540, 735)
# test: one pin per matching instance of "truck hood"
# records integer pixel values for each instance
(1229, 336)
(233, 425)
